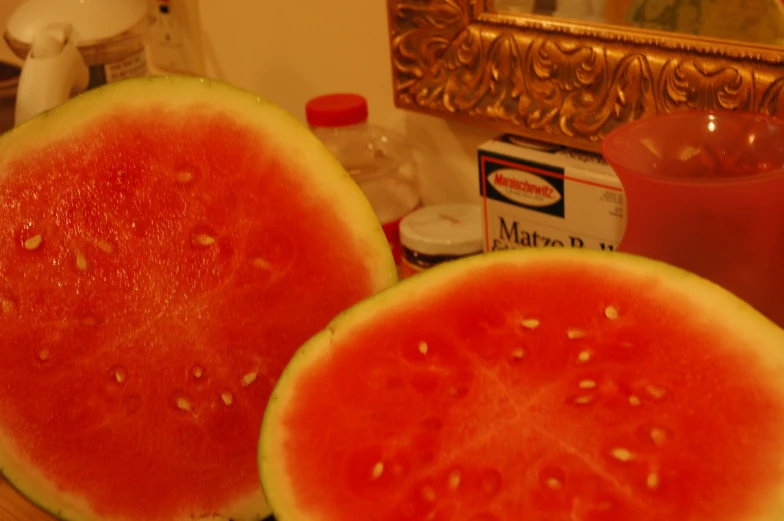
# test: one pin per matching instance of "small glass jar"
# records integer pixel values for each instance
(439, 233)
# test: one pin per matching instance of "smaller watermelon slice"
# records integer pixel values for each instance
(166, 244)
(534, 385)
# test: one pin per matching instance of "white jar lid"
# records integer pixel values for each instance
(443, 229)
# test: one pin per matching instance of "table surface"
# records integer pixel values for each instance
(14, 507)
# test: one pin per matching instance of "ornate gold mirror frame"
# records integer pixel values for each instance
(561, 81)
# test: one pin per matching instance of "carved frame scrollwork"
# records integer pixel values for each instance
(562, 81)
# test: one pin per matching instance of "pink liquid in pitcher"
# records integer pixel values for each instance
(705, 192)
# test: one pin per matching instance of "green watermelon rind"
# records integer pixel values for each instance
(295, 141)
(723, 306)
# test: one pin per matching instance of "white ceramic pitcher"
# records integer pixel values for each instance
(69, 46)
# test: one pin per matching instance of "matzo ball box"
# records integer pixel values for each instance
(548, 196)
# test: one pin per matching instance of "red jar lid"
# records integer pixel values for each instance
(336, 110)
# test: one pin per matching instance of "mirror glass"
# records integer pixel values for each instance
(757, 21)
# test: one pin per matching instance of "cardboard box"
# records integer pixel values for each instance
(542, 195)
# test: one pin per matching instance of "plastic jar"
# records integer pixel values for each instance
(439, 233)
(380, 160)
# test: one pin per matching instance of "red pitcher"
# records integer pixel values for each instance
(705, 192)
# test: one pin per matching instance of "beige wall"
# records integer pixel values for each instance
(290, 51)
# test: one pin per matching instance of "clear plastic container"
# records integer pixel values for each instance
(379, 159)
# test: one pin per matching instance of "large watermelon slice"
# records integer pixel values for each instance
(165, 246)
(538, 385)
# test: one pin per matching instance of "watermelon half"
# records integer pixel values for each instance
(534, 385)
(166, 244)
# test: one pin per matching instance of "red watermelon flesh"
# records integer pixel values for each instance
(165, 246)
(535, 386)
